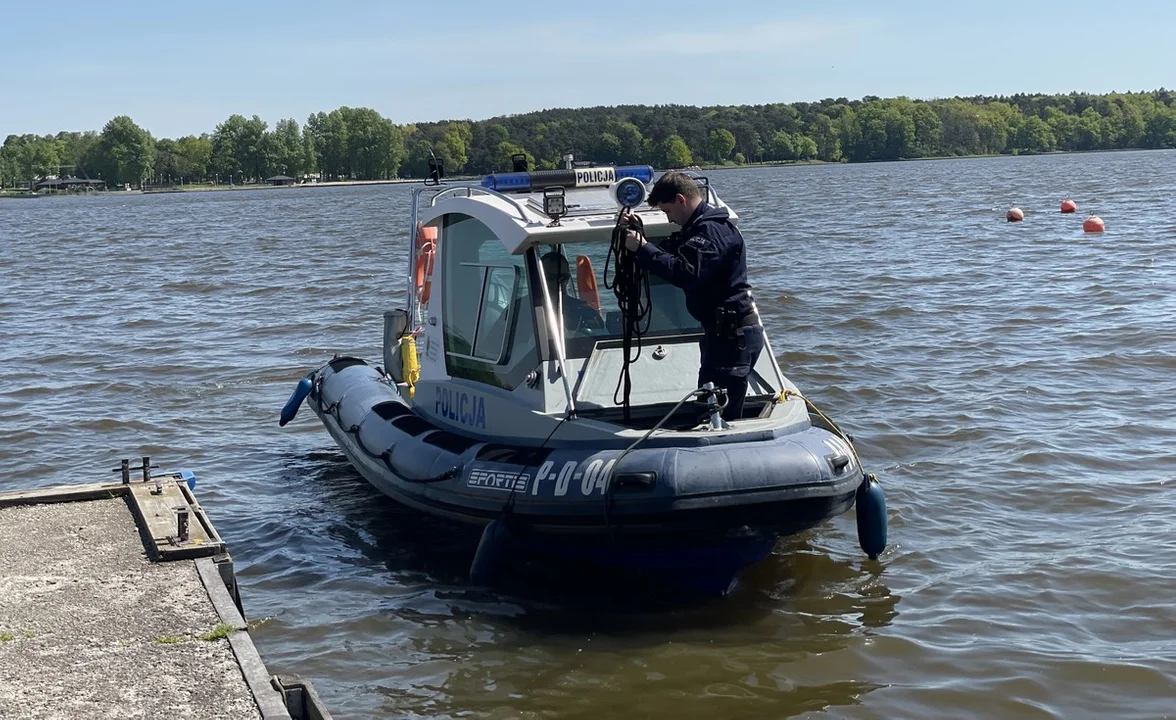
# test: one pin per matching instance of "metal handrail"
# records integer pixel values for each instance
(560, 350)
(471, 189)
(412, 252)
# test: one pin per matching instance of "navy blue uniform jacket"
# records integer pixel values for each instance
(707, 260)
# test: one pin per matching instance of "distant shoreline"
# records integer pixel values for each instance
(200, 187)
(791, 163)
(203, 187)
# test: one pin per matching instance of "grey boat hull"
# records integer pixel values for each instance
(697, 511)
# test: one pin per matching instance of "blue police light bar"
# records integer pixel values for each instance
(602, 176)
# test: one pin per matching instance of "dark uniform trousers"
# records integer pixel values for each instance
(727, 360)
(706, 259)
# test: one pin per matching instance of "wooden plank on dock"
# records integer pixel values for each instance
(269, 697)
(66, 493)
(158, 506)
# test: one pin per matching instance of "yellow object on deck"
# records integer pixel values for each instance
(412, 368)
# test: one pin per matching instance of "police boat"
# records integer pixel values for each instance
(518, 395)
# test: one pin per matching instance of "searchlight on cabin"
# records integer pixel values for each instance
(602, 176)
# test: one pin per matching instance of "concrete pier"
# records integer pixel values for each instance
(118, 600)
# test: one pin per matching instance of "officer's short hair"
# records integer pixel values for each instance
(672, 184)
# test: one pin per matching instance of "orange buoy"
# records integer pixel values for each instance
(1069, 206)
(1015, 215)
(1093, 224)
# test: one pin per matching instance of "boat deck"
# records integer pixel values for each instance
(111, 608)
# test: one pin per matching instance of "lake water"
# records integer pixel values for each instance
(1013, 385)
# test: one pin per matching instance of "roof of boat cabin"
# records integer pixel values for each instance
(518, 220)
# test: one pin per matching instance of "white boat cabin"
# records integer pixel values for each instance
(515, 327)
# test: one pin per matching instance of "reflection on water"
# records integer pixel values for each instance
(415, 576)
(414, 547)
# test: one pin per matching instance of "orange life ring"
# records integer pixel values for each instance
(424, 234)
(586, 282)
(426, 252)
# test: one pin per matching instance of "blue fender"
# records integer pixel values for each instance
(871, 517)
(296, 398)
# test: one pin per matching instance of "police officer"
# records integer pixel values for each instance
(707, 259)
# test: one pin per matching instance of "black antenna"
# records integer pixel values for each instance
(436, 169)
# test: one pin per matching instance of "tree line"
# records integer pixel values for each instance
(360, 144)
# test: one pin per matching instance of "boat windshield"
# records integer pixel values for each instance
(575, 281)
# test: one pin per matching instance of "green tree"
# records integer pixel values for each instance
(1088, 130)
(608, 149)
(193, 157)
(453, 146)
(1132, 125)
(44, 157)
(783, 146)
(486, 136)
(288, 157)
(255, 152)
(18, 160)
(12, 163)
(747, 140)
(960, 134)
(356, 143)
(884, 131)
(419, 152)
(806, 147)
(368, 142)
(32, 157)
(310, 158)
(826, 135)
(991, 131)
(849, 134)
(1064, 127)
(720, 143)
(228, 148)
(1160, 129)
(125, 152)
(1035, 136)
(675, 153)
(928, 131)
(631, 140)
(497, 133)
(1111, 126)
(166, 161)
(7, 169)
(73, 147)
(329, 131)
(504, 153)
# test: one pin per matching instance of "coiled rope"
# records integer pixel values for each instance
(630, 285)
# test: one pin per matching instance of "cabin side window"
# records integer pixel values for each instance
(488, 318)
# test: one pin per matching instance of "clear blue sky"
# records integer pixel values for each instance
(182, 68)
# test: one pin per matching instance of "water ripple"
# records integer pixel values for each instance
(1011, 384)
